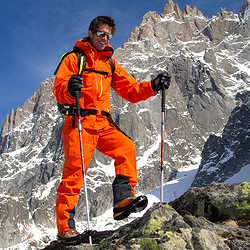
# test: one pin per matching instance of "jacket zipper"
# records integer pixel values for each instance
(99, 89)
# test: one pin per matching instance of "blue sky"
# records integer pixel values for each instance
(35, 33)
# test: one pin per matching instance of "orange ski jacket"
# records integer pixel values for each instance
(95, 93)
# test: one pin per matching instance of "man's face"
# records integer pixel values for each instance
(99, 42)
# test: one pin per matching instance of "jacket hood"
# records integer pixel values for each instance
(85, 45)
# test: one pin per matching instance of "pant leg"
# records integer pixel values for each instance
(72, 181)
(115, 144)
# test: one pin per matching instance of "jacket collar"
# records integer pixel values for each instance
(85, 45)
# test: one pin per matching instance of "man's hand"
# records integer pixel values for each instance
(161, 81)
(75, 84)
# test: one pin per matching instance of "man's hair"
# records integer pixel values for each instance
(102, 20)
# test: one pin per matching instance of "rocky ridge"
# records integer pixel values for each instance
(186, 223)
(216, 217)
(209, 61)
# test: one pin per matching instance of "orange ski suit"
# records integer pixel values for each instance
(98, 132)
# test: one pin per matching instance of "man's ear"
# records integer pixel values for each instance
(90, 33)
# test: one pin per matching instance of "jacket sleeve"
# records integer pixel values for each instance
(128, 88)
(67, 68)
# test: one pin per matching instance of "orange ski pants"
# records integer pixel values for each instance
(110, 142)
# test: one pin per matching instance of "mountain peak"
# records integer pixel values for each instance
(244, 13)
(192, 11)
(172, 7)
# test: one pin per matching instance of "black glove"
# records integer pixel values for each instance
(161, 81)
(75, 84)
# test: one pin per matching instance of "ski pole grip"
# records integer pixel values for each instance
(77, 96)
(163, 100)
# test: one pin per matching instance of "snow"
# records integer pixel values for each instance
(242, 176)
(227, 156)
(14, 154)
(26, 125)
(144, 159)
(21, 166)
(178, 186)
(143, 110)
(170, 18)
(5, 196)
(139, 70)
(211, 170)
(44, 190)
(108, 169)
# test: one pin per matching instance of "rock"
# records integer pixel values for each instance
(218, 202)
(163, 227)
(225, 155)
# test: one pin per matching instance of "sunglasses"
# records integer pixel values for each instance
(102, 34)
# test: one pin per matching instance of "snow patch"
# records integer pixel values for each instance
(242, 176)
(44, 190)
(144, 160)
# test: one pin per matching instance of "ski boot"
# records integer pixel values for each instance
(130, 205)
(69, 236)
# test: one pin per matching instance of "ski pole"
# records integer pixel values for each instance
(77, 96)
(162, 139)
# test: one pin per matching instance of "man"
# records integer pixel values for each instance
(99, 132)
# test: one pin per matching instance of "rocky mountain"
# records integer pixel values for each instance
(209, 62)
(216, 217)
(224, 155)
